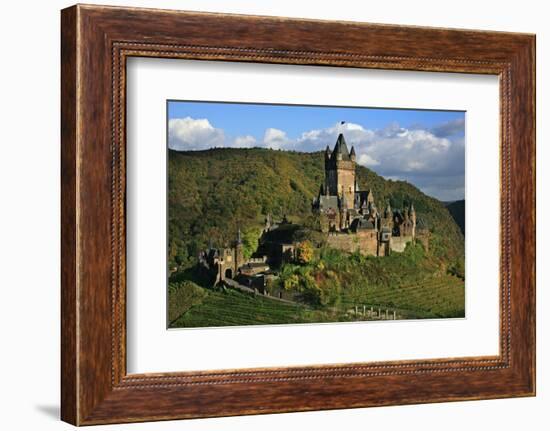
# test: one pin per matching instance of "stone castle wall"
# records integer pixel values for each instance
(366, 242)
(398, 243)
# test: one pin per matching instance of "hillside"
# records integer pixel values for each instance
(457, 210)
(212, 193)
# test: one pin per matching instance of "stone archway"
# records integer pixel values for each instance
(228, 273)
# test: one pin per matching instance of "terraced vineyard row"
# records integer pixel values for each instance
(438, 297)
(233, 308)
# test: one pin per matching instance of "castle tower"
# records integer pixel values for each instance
(239, 256)
(340, 171)
(268, 222)
(372, 209)
(343, 211)
(327, 153)
(387, 218)
(388, 213)
(412, 217)
(412, 213)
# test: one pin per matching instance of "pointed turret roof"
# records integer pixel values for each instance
(352, 152)
(341, 147)
(370, 196)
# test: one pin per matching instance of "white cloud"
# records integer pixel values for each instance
(394, 150)
(425, 157)
(244, 141)
(367, 160)
(419, 156)
(320, 138)
(185, 134)
(276, 139)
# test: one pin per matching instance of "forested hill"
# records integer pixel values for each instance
(457, 210)
(214, 192)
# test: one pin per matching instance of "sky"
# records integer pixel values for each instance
(423, 147)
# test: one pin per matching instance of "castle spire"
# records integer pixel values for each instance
(352, 154)
(388, 213)
(412, 214)
(327, 153)
(341, 149)
(239, 239)
(370, 196)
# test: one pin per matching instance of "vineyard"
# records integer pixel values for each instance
(233, 308)
(437, 297)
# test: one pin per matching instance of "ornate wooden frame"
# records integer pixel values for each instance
(95, 42)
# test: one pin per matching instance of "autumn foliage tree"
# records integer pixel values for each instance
(304, 252)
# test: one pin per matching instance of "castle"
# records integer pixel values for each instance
(350, 217)
(347, 215)
(224, 263)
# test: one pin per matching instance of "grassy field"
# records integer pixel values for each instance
(439, 297)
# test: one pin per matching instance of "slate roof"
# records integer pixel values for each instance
(341, 148)
(284, 234)
(361, 197)
(360, 223)
(326, 202)
(255, 265)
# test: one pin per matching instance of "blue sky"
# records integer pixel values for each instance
(424, 147)
(253, 119)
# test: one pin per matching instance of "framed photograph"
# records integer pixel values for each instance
(265, 215)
